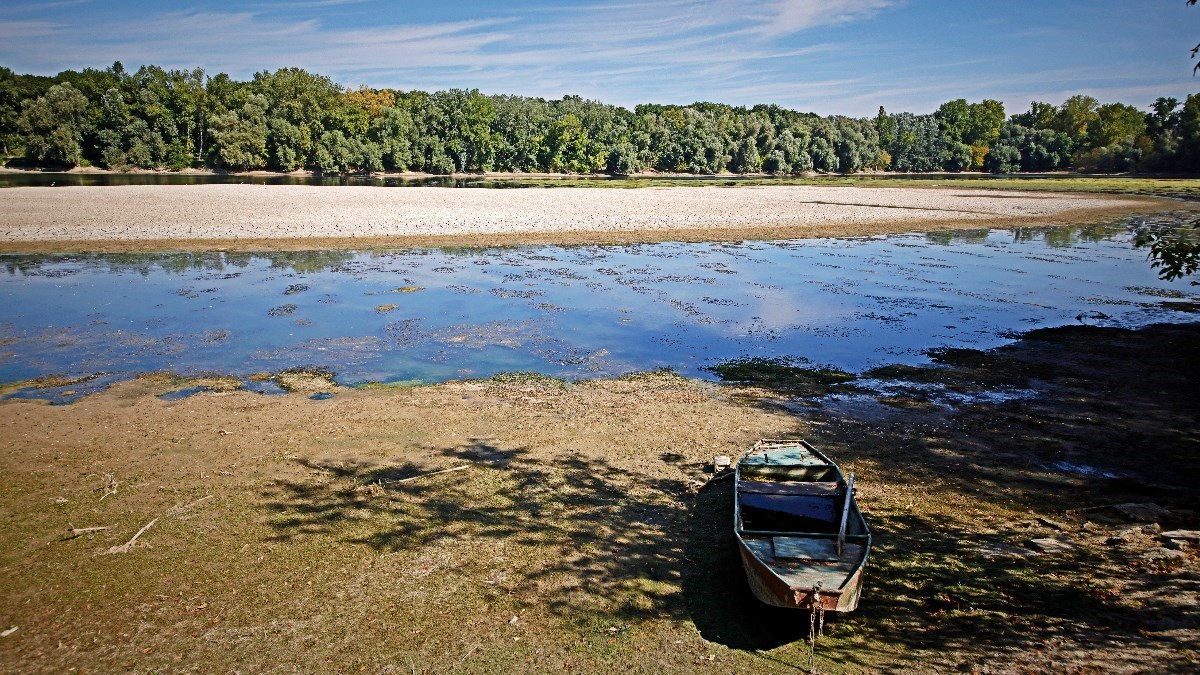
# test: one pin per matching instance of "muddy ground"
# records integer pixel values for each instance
(573, 530)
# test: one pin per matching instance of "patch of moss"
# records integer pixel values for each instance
(783, 375)
(962, 358)
(524, 377)
(651, 375)
(305, 380)
(56, 381)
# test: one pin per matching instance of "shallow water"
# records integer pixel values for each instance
(572, 312)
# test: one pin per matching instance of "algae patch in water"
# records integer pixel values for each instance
(784, 375)
(55, 381)
(524, 378)
(305, 380)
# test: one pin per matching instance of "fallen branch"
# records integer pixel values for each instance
(176, 510)
(109, 487)
(124, 548)
(431, 473)
(73, 532)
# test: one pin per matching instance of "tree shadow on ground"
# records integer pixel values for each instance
(586, 534)
(715, 591)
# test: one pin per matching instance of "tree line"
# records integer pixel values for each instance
(292, 119)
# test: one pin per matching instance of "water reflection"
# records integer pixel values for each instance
(573, 312)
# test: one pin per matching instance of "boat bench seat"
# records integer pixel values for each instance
(781, 487)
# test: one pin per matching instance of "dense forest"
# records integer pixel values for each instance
(292, 119)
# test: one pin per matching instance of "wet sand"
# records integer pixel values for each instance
(275, 217)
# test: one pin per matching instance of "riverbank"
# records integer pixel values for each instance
(573, 532)
(291, 217)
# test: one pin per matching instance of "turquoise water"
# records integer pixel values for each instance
(571, 312)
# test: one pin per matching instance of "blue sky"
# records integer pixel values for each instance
(825, 56)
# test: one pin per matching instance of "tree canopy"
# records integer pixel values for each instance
(292, 119)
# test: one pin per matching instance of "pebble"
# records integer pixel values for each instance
(1163, 555)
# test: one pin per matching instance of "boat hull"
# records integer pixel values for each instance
(802, 539)
(774, 591)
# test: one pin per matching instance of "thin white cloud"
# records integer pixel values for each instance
(786, 17)
(19, 30)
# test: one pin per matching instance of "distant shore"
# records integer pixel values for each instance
(283, 217)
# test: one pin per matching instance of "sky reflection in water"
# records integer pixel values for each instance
(578, 312)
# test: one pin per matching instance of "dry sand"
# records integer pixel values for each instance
(256, 217)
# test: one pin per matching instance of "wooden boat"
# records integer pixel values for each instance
(802, 538)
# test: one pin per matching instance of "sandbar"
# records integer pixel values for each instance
(290, 217)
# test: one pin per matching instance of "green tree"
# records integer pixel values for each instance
(953, 118)
(462, 122)
(569, 148)
(53, 125)
(856, 144)
(1116, 140)
(520, 126)
(1024, 149)
(957, 157)
(918, 145)
(1189, 134)
(305, 101)
(1116, 123)
(391, 132)
(823, 158)
(746, 158)
(984, 120)
(240, 137)
(885, 127)
(1039, 116)
(1075, 116)
(14, 90)
(623, 159)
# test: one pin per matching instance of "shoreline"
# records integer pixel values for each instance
(296, 217)
(571, 495)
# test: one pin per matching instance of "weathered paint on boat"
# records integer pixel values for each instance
(787, 567)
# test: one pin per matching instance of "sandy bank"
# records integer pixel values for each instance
(289, 217)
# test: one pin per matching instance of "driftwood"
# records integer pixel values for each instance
(124, 548)
(180, 508)
(109, 487)
(73, 532)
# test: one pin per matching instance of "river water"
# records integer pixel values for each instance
(573, 312)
